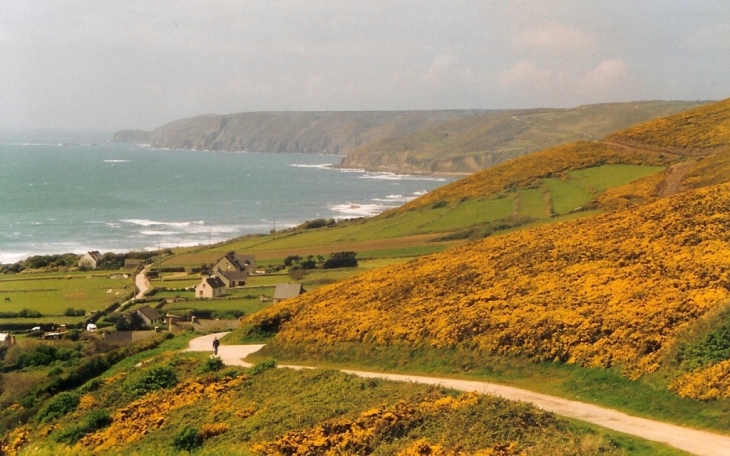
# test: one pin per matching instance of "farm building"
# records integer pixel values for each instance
(90, 260)
(287, 291)
(236, 262)
(132, 264)
(232, 279)
(210, 287)
(149, 315)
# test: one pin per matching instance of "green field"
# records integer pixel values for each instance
(53, 294)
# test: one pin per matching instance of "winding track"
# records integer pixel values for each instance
(690, 440)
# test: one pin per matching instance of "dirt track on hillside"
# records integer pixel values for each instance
(690, 440)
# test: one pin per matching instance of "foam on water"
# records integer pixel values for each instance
(70, 198)
(359, 210)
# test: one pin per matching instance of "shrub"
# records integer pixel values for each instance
(341, 260)
(262, 366)
(713, 348)
(95, 420)
(71, 312)
(211, 365)
(153, 379)
(63, 404)
(316, 223)
(291, 259)
(297, 272)
(188, 439)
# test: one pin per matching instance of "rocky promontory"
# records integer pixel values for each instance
(447, 141)
(293, 132)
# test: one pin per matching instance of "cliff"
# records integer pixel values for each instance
(295, 132)
(137, 136)
(448, 141)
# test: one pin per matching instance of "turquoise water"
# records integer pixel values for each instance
(76, 197)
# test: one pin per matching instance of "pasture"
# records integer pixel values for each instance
(53, 294)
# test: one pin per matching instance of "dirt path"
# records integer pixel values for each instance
(673, 183)
(142, 283)
(690, 440)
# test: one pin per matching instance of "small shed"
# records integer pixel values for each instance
(287, 291)
(210, 287)
(149, 315)
(132, 264)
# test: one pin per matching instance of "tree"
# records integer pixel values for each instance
(341, 260)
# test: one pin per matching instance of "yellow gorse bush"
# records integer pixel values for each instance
(697, 130)
(132, 422)
(15, 441)
(423, 448)
(354, 436)
(712, 382)
(612, 289)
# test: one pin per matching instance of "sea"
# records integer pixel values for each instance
(78, 191)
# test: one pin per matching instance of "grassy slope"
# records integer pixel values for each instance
(619, 290)
(469, 145)
(260, 411)
(701, 130)
(507, 195)
(52, 294)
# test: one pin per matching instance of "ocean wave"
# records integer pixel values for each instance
(36, 144)
(117, 161)
(322, 166)
(360, 210)
(401, 177)
(147, 222)
(395, 199)
(101, 222)
(158, 233)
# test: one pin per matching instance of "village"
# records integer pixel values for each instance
(201, 301)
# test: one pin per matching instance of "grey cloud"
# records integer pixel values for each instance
(139, 64)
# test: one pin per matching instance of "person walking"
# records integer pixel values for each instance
(216, 344)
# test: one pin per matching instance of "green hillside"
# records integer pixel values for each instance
(163, 402)
(597, 271)
(475, 143)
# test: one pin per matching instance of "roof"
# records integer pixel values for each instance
(239, 261)
(95, 254)
(232, 275)
(150, 313)
(213, 281)
(288, 290)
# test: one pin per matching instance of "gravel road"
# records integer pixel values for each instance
(690, 440)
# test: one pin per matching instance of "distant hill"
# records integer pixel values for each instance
(468, 145)
(627, 288)
(448, 141)
(294, 132)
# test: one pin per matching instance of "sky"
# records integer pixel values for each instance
(99, 65)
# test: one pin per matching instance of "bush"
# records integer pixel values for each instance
(291, 259)
(262, 366)
(227, 314)
(95, 420)
(62, 404)
(153, 379)
(24, 313)
(71, 312)
(188, 439)
(211, 365)
(341, 260)
(317, 223)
